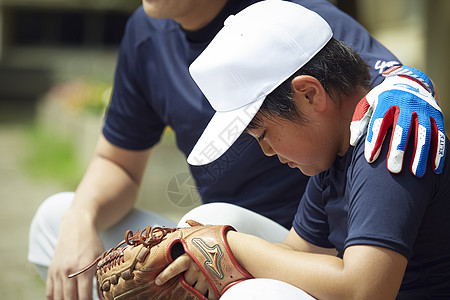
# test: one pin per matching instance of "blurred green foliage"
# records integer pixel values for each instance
(81, 95)
(50, 157)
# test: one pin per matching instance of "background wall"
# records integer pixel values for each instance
(418, 32)
(46, 41)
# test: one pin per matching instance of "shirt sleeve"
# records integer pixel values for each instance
(385, 209)
(130, 121)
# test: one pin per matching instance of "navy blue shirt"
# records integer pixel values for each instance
(153, 89)
(356, 203)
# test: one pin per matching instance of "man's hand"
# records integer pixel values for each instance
(78, 244)
(404, 100)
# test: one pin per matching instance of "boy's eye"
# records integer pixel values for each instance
(261, 137)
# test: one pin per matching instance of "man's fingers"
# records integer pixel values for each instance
(58, 290)
(177, 267)
(55, 289)
(49, 288)
(69, 287)
(85, 286)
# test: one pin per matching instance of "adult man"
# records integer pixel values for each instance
(153, 89)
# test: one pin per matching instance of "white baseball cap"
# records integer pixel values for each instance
(257, 50)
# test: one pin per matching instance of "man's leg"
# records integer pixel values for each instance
(242, 219)
(264, 289)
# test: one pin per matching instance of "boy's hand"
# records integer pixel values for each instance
(184, 266)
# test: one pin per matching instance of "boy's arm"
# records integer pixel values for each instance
(365, 272)
(294, 242)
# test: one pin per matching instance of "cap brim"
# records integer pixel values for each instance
(220, 134)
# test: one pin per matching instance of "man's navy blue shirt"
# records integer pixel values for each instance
(153, 89)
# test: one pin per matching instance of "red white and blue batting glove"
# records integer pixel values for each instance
(404, 100)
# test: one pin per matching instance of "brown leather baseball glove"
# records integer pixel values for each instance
(129, 270)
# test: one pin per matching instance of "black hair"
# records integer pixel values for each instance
(336, 66)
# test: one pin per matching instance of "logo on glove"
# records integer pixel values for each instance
(213, 256)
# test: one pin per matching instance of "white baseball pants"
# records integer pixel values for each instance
(45, 225)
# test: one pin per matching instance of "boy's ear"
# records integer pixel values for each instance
(309, 89)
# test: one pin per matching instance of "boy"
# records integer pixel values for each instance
(360, 232)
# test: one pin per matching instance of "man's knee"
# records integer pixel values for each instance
(216, 214)
(44, 227)
(48, 215)
(262, 288)
(242, 219)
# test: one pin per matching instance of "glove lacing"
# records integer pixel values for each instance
(148, 237)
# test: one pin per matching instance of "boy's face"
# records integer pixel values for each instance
(306, 147)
